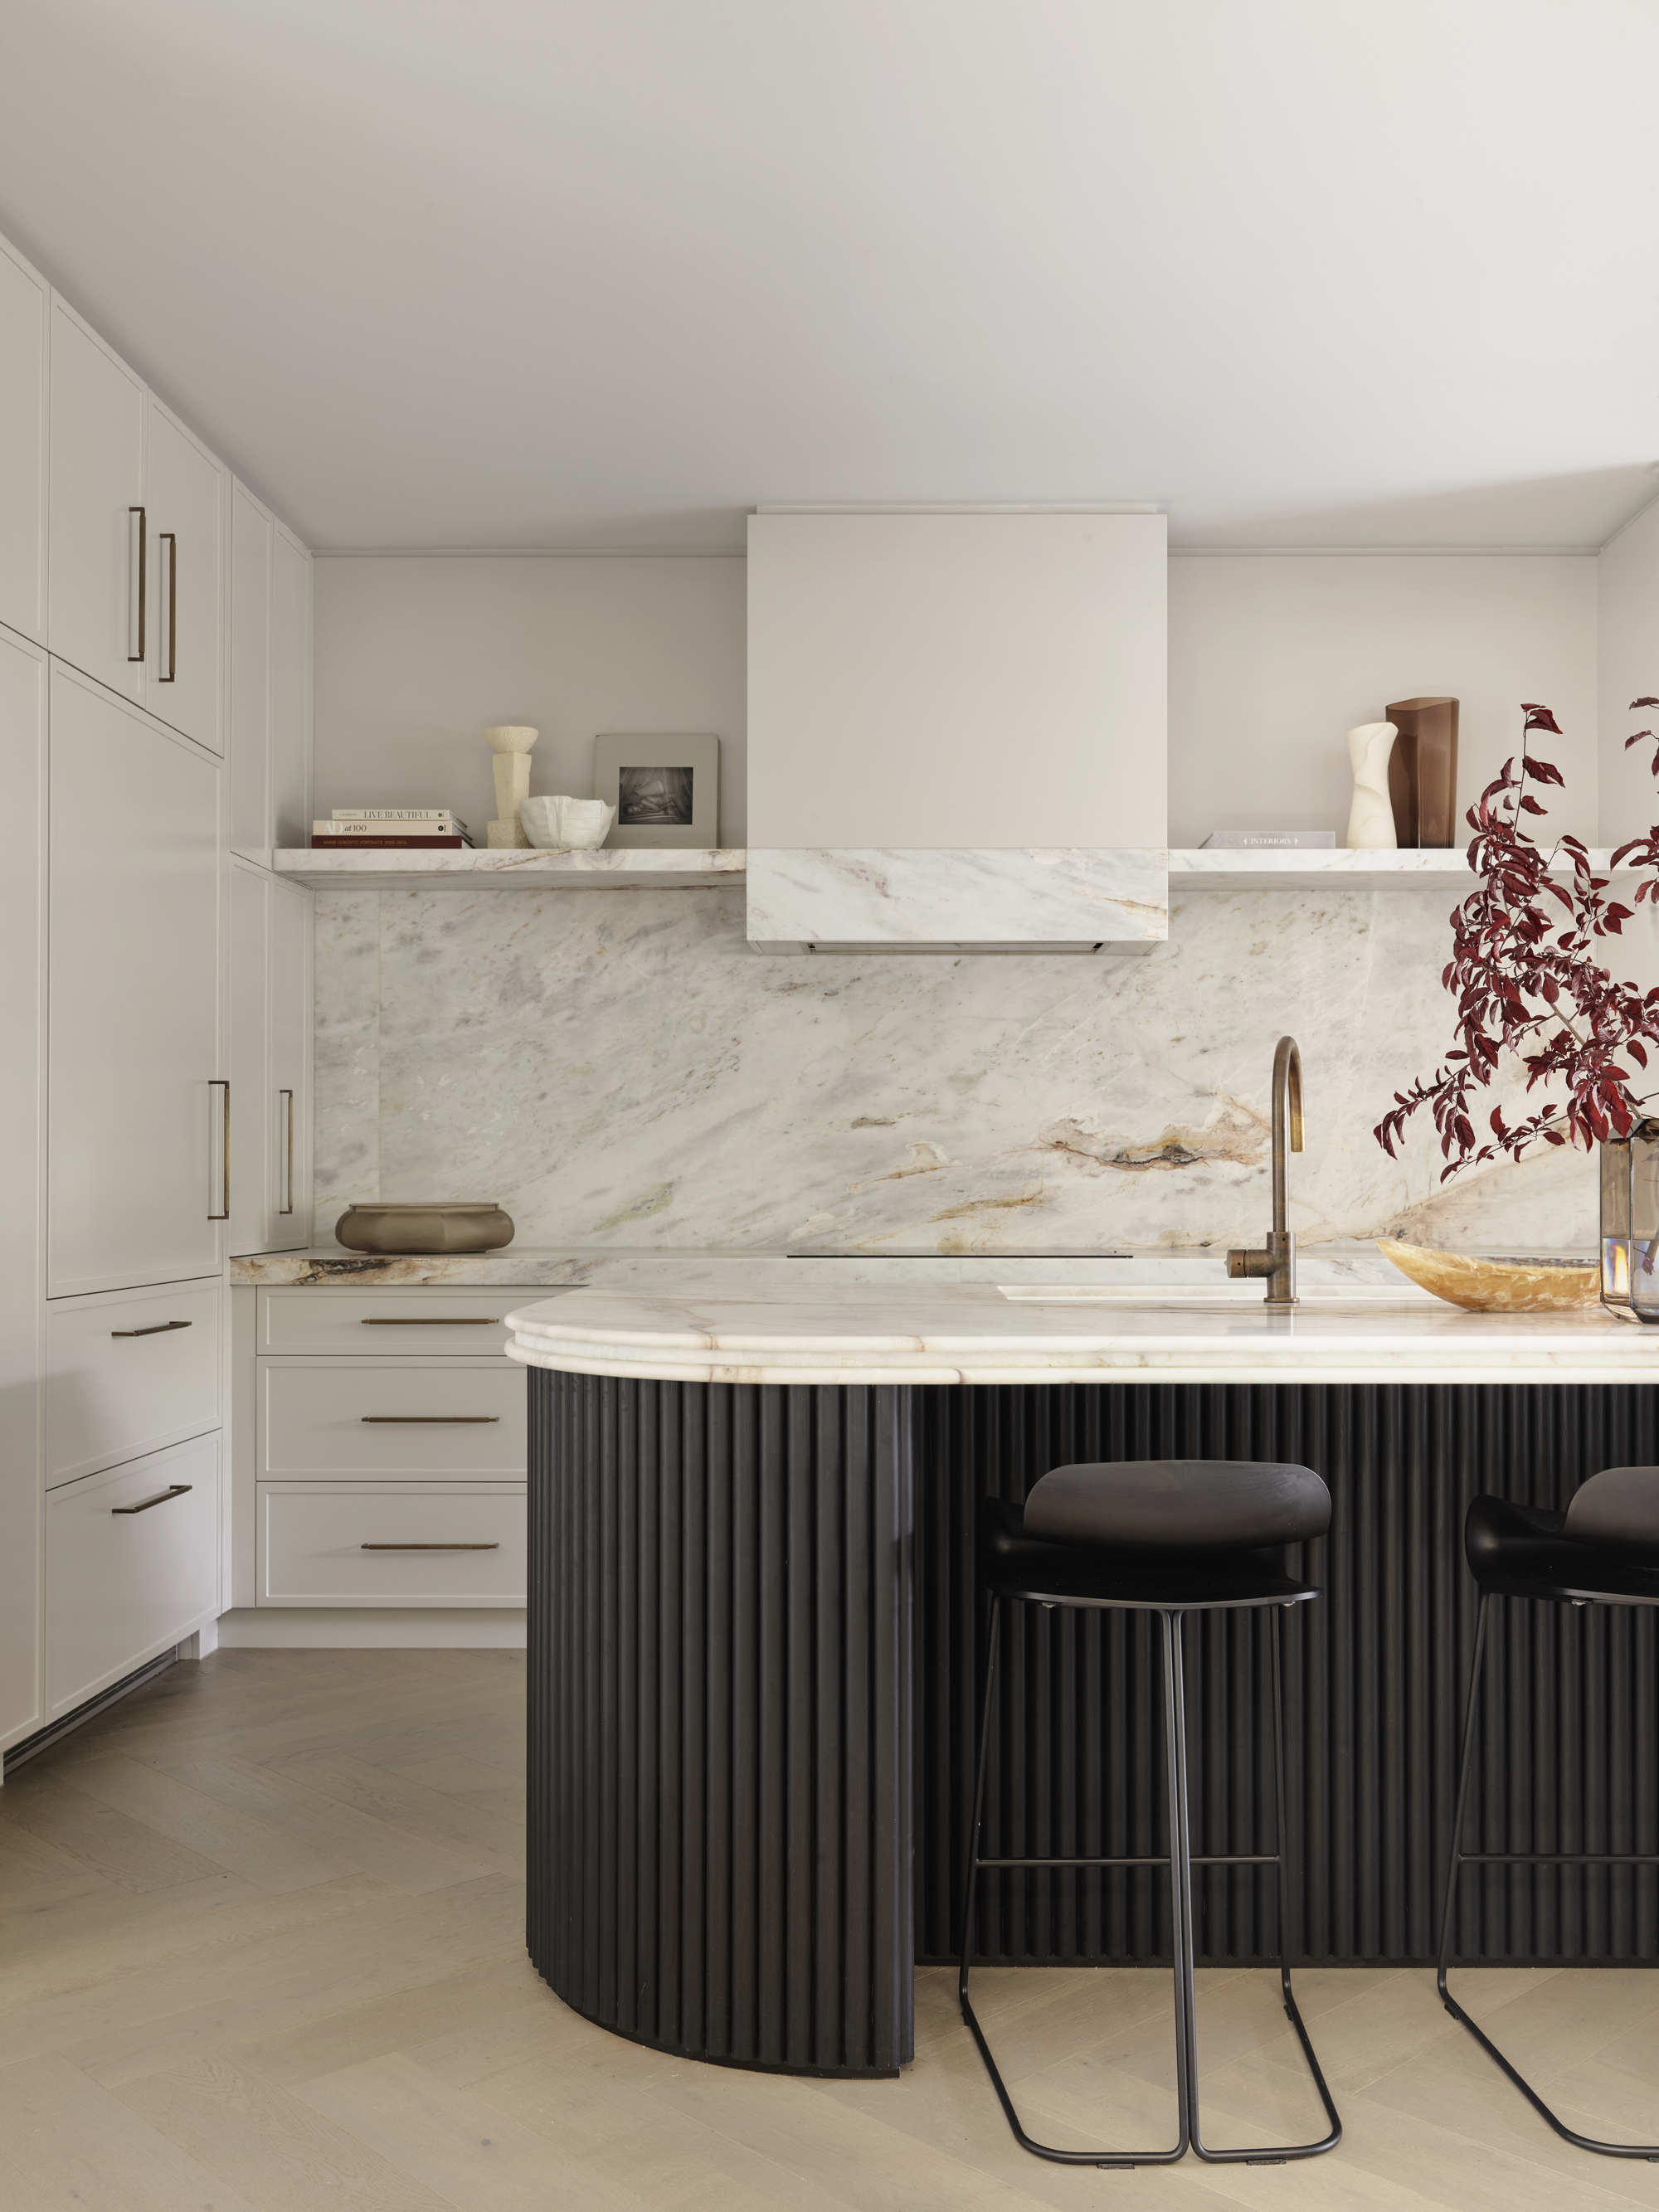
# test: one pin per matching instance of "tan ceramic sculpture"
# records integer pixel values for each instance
(511, 745)
(1484, 1284)
(1370, 819)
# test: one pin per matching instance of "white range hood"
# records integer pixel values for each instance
(957, 730)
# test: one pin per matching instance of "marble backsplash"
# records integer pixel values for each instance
(618, 1067)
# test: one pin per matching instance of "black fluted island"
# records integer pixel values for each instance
(753, 1646)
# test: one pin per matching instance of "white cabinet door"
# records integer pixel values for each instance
(185, 506)
(136, 1170)
(251, 1134)
(251, 533)
(132, 1565)
(101, 550)
(290, 692)
(289, 1085)
(25, 305)
(22, 885)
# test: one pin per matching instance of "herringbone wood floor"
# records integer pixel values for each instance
(261, 1931)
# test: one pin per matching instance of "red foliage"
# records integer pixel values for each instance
(1526, 987)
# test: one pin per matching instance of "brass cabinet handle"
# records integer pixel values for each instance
(431, 1320)
(170, 575)
(156, 1328)
(431, 1417)
(289, 1171)
(135, 582)
(176, 1490)
(215, 1083)
(428, 1547)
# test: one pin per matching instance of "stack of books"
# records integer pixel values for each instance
(390, 830)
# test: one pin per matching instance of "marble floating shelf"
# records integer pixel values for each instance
(1340, 868)
(524, 870)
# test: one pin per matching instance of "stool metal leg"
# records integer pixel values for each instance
(1180, 1863)
(1459, 1858)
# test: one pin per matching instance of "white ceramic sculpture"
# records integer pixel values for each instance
(511, 745)
(1371, 818)
(567, 825)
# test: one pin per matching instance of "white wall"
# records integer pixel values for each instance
(1272, 659)
(1629, 569)
(416, 656)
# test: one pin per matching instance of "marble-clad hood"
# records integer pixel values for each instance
(621, 1069)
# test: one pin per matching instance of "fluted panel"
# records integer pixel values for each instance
(720, 1701)
(1376, 1673)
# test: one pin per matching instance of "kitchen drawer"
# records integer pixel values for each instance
(123, 1585)
(423, 1319)
(122, 1377)
(390, 1421)
(448, 1544)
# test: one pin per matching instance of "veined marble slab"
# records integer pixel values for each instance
(511, 869)
(971, 1333)
(1007, 898)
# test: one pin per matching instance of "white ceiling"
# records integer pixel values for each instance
(604, 273)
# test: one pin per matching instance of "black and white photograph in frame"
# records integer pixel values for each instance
(666, 788)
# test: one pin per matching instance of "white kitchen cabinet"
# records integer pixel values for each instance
(270, 601)
(380, 1544)
(130, 1372)
(185, 622)
(392, 1420)
(132, 1565)
(137, 1172)
(101, 548)
(24, 309)
(23, 674)
(270, 1062)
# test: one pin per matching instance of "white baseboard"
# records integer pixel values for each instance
(203, 1643)
(329, 1628)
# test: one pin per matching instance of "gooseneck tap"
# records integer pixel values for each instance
(1276, 1259)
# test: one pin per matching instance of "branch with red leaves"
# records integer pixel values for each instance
(1530, 991)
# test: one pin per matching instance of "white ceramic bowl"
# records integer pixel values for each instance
(567, 825)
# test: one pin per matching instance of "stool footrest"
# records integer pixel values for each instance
(1556, 1858)
(1216, 1858)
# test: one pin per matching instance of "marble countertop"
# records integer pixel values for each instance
(941, 1333)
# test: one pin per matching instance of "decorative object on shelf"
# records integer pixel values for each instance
(450, 1225)
(1371, 818)
(1253, 841)
(1423, 771)
(567, 825)
(665, 789)
(396, 825)
(1530, 991)
(1483, 1282)
(511, 744)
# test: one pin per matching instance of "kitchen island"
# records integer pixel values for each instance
(753, 1643)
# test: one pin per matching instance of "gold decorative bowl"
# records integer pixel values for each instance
(449, 1225)
(1484, 1283)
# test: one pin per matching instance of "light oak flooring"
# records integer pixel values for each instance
(260, 1951)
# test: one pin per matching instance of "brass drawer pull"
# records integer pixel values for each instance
(431, 1320)
(408, 1418)
(136, 581)
(177, 1489)
(222, 1083)
(429, 1547)
(156, 1328)
(169, 538)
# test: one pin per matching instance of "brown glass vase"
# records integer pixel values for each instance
(1423, 771)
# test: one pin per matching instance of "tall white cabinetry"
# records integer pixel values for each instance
(154, 995)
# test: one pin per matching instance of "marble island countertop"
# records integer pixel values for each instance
(941, 1333)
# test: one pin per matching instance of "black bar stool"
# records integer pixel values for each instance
(1170, 1537)
(1603, 1550)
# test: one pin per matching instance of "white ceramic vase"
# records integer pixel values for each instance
(567, 825)
(1370, 818)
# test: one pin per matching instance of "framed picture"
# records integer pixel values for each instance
(666, 790)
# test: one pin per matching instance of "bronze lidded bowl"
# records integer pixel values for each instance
(1483, 1282)
(448, 1225)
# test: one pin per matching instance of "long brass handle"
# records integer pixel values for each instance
(431, 1320)
(405, 1419)
(176, 1490)
(289, 1171)
(135, 577)
(156, 1328)
(170, 576)
(222, 1083)
(428, 1547)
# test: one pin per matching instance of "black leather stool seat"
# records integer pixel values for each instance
(1601, 1549)
(1015, 1565)
(1180, 1504)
